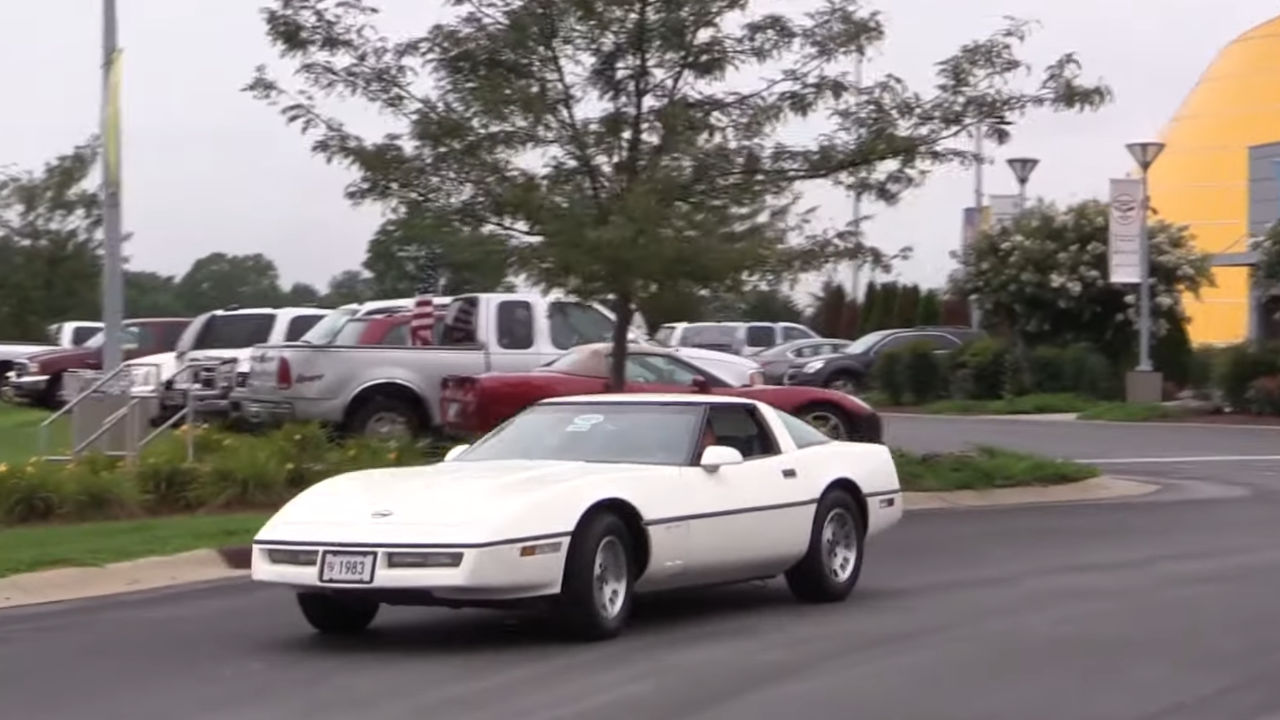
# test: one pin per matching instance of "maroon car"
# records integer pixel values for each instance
(38, 378)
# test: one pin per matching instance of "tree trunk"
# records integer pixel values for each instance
(623, 311)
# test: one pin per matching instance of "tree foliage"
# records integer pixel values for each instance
(621, 144)
(1044, 278)
(50, 244)
(219, 279)
(468, 261)
(1268, 248)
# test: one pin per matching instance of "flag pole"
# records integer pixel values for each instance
(112, 272)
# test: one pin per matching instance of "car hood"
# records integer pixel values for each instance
(60, 356)
(446, 494)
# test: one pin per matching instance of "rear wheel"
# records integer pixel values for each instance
(844, 382)
(334, 615)
(385, 418)
(829, 419)
(595, 595)
(830, 568)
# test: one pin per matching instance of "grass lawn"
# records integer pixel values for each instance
(1024, 405)
(38, 547)
(20, 432)
(985, 468)
(1132, 412)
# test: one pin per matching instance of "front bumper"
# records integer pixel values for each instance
(797, 376)
(488, 573)
(29, 386)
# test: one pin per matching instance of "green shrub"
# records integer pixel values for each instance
(1089, 373)
(99, 490)
(1049, 371)
(1236, 369)
(31, 492)
(1171, 354)
(886, 376)
(923, 375)
(982, 362)
(1263, 396)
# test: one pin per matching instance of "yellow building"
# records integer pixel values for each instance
(1218, 172)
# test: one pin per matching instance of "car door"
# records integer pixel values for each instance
(748, 520)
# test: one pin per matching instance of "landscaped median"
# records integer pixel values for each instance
(97, 511)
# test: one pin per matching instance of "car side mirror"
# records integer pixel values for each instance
(455, 451)
(717, 456)
(700, 384)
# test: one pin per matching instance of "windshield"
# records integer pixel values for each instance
(574, 324)
(351, 332)
(866, 342)
(595, 432)
(129, 336)
(663, 336)
(323, 332)
(233, 331)
(708, 336)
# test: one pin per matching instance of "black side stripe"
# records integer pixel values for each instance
(415, 546)
(735, 511)
(882, 493)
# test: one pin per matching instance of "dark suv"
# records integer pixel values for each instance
(847, 371)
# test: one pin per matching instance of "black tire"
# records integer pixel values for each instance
(578, 612)
(813, 579)
(49, 396)
(843, 381)
(822, 415)
(384, 406)
(334, 615)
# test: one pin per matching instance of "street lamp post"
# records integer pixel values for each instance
(1022, 168)
(979, 196)
(1145, 154)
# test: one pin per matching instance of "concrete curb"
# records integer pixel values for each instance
(1098, 488)
(75, 583)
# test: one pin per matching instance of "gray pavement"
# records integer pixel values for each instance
(1162, 606)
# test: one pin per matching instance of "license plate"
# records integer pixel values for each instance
(347, 567)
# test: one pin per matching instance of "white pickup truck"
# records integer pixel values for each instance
(388, 391)
(226, 336)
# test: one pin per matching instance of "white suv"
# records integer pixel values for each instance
(741, 338)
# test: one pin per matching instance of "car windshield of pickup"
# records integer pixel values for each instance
(324, 332)
(647, 433)
(235, 330)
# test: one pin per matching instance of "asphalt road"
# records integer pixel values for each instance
(1159, 607)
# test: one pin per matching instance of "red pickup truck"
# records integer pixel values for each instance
(38, 378)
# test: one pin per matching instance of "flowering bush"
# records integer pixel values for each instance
(1044, 278)
(231, 471)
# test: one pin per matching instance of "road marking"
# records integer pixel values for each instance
(1203, 458)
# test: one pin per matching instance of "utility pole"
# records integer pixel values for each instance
(112, 272)
(975, 319)
(857, 200)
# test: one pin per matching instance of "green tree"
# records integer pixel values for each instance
(622, 144)
(929, 311)
(301, 293)
(908, 306)
(218, 280)
(150, 294)
(50, 243)
(349, 286)
(468, 261)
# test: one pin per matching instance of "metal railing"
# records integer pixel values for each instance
(133, 445)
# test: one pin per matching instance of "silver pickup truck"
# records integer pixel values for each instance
(390, 390)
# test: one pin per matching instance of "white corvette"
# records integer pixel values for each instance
(579, 503)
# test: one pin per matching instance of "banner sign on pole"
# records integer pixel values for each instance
(969, 227)
(1003, 209)
(1124, 232)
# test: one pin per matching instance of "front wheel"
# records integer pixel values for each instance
(845, 382)
(333, 615)
(830, 568)
(829, 420)
(595, 596)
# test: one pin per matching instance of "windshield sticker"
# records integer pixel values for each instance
(583, 423)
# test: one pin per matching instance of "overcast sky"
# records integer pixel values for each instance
(208, 168)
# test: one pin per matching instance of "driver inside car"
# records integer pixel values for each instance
(708, 439)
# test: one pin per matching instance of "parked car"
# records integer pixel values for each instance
(849, 370)
(742, 338)
(777, 360)
(37, 378)
(474, 405)
(383, 390)
(580, 503)
(226, 336)
(60, 335)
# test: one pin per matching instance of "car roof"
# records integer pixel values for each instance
(650, 398)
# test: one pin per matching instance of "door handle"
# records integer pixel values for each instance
(788, 473)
